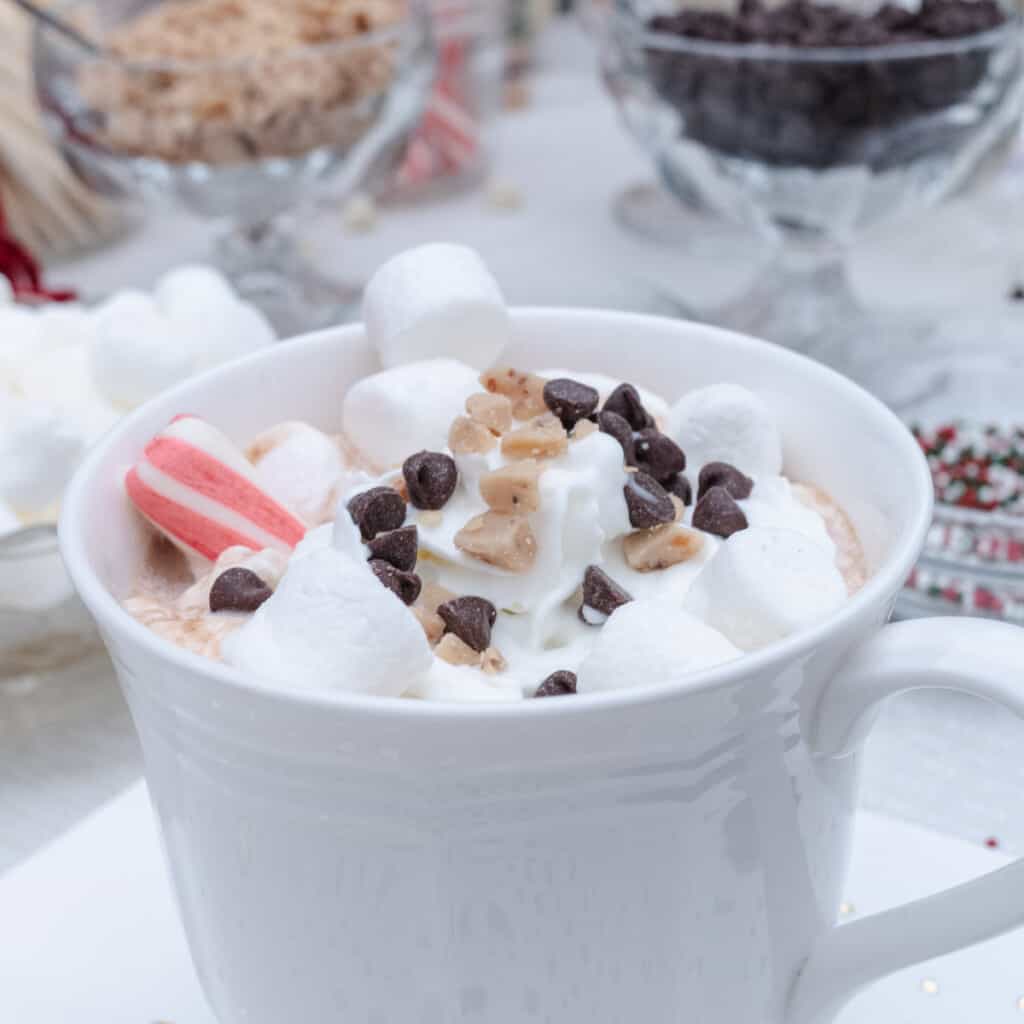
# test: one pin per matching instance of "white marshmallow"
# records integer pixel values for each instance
(302, 468)
(392, 414)
(125, 307)
(63, 378)
(727, 423)
(764, 584)
(39, 450)
(134, 357)
(605, 385)
(432, 301)
(192, 286)
(21, 339)
(6, 291)
(209, 321)
(648, 642)
(235, 331)
(330, 624)
(65, 326)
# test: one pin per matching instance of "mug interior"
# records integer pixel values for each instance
(835, 436)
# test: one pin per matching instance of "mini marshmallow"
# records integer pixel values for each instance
(605, 385)
(63, 378)
(332, 625)
(20, 340)
(726, 423)
(66, 325)
(301, 467)
(236, 331)
(432, 301)
(764, 584)
(647, 642)
(216, 327)
(395, 413)
(125, 307)
(134, 357)
(40, 447)
(192, 286)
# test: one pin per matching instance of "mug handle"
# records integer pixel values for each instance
(975, 656)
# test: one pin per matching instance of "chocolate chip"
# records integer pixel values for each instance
(1017, 293)
(614, 425)
(680, 487)
(658, 455)
(570, 400)
(470, 619)
(238, 590)
(406, 585)
(431, 478)
(719, 514)
(722, 474)
(558, 684)
(625, 400)
(648, 502)
(398, 547)
(601, 596)
(377, 510)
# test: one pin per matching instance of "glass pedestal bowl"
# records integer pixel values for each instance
(43, 624)
(243, 139)
(809, 146)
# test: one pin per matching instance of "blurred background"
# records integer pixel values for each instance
(846, 180)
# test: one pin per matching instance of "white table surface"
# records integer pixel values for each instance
(66, 742)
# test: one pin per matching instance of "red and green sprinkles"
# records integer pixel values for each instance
(976, 468)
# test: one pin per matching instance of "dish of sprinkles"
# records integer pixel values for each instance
(977, 467)
(976, 543)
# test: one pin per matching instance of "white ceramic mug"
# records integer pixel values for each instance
(663, 854)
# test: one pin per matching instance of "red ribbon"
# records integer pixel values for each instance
(22, 269)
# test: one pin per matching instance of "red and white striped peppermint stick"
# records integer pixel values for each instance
(448, 137)
(200, 492)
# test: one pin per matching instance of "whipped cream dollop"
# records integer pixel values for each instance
(582, 520)
(495, 535)
(40, 446)
(73, 371)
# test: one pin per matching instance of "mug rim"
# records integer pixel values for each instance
(880, 586)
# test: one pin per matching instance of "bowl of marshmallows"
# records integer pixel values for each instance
(67, 373)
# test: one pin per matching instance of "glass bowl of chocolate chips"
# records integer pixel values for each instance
(810, 122)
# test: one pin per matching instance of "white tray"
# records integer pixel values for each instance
(89, 934)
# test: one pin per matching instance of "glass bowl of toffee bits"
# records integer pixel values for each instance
(810, 122)
(237, 110)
